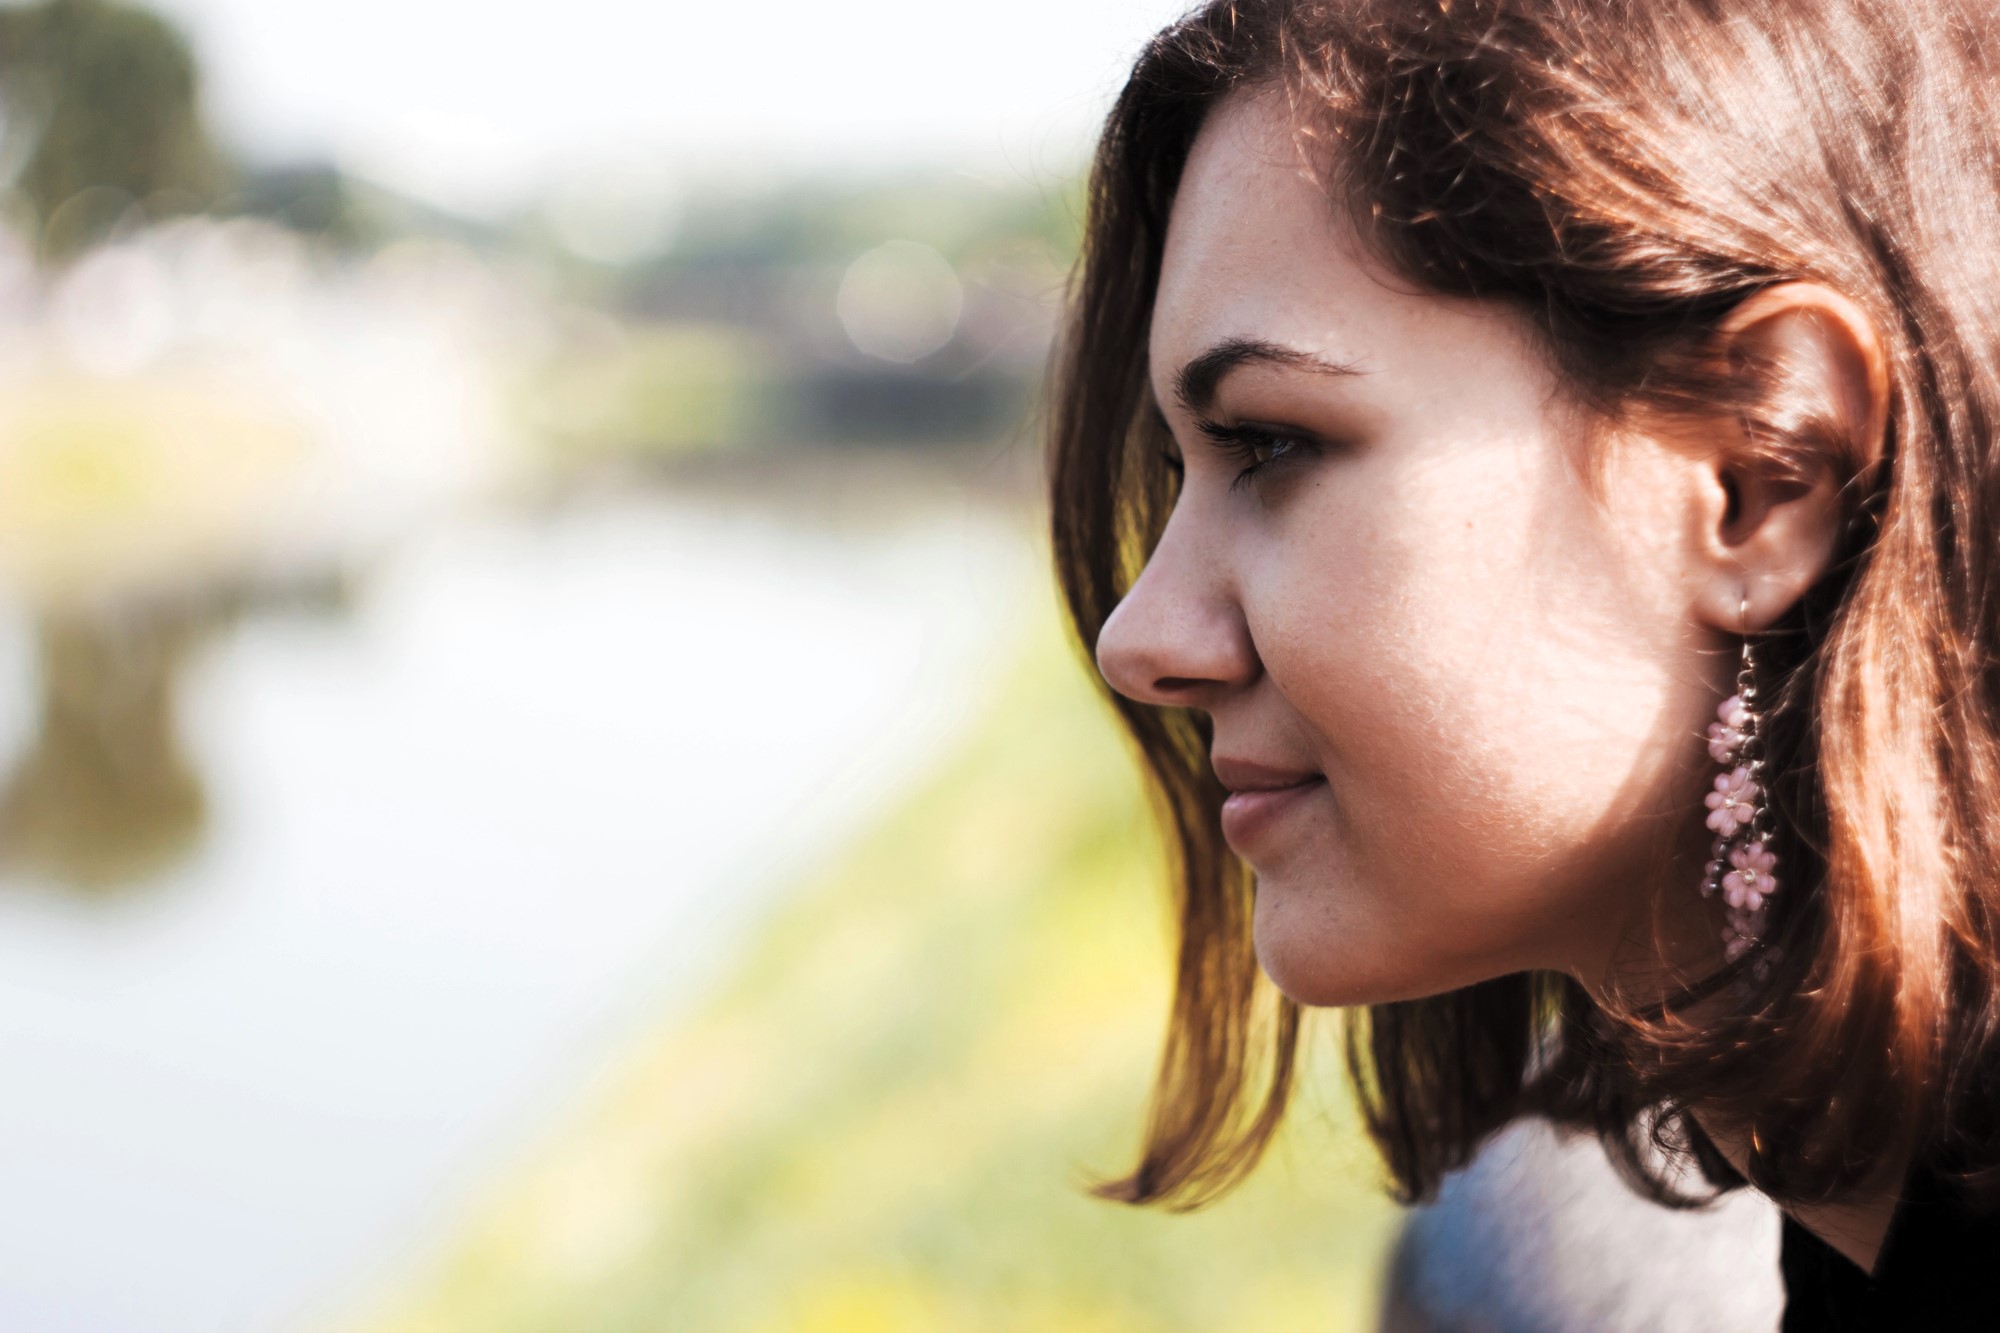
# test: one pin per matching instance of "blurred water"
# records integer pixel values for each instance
(463, 843)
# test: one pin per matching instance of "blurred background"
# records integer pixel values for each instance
(541, 783)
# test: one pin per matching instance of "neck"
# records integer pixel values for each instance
(1685, 946)
(1673, 937)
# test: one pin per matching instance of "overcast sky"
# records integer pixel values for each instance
(477, 103)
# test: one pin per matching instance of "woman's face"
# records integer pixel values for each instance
(1459, 694)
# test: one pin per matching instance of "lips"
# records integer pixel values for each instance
(1261, 798)
(1246, 775)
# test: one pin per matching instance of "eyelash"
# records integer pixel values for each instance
(1246, 444)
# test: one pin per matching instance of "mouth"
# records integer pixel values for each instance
(1261, 797)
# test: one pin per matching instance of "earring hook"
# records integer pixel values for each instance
(1746, 679)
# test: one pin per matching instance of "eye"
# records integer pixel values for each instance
(1253, 447)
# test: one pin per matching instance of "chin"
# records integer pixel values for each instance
(1319, 976)
(1325, 967)
(1330, 981)
(1320, 986)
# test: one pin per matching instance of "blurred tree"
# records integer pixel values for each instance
(311, 197)
(101, 112)
(105, 795)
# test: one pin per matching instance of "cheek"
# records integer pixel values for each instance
(1494, 700)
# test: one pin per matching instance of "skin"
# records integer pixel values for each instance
(1487, 677)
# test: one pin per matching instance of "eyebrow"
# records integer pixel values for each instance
(1196, 382)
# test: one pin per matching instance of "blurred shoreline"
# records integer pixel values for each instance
(837, 486)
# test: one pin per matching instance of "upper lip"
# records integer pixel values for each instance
(1249, 775)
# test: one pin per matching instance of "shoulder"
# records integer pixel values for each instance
(1539, 1232)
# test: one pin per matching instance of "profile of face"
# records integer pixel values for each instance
(1456, 688)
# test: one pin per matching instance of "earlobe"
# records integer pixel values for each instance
(1781, 482)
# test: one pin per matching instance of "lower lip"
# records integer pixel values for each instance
(1250, 815)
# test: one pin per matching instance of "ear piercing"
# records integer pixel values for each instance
(1740, 864)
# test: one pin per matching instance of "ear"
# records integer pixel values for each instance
(1772, 513)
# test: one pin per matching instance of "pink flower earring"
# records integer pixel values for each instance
(1739, 811)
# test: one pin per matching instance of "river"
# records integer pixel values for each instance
(464, 842)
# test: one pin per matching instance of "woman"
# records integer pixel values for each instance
(1527, 469)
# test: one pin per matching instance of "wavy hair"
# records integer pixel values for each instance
(1625, 172)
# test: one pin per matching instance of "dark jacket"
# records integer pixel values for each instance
(1938, 1271)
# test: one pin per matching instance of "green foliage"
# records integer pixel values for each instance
(315, 198)
(108, 95)
(885, 1120)
(650, 392)
(832, 220)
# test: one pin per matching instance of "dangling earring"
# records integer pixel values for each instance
(1739, 810)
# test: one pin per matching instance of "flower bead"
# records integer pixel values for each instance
(1733, 803)
(1732, 727)
(1751, 882)
(1723, 741)
(1737, 939)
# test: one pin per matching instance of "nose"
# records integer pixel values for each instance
(1178, 637)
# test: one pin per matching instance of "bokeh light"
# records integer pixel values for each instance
(901, 301)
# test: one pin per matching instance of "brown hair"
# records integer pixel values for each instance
(1626, 172)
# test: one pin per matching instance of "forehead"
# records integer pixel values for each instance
(1256, 248)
